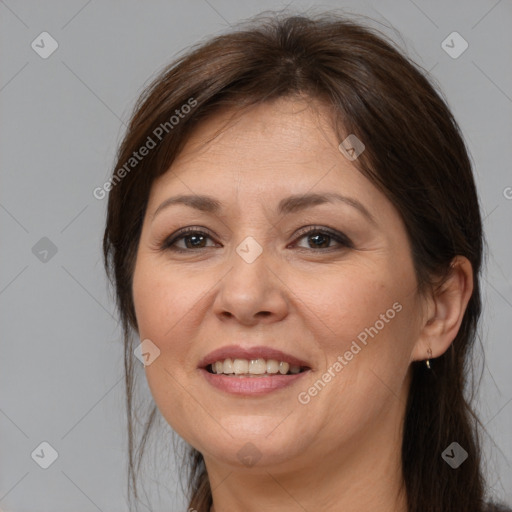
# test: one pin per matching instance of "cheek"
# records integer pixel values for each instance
(162, 306)
(363, 315)
(160, 299)
(347, 303)
(363, 328)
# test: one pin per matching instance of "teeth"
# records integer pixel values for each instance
(253, 367)
(272, 366)
(283, 368)
(240, 366)
(257, 366)
(227, 366)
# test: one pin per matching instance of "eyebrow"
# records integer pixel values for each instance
(287, 205)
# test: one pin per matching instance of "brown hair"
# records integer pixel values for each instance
(414, 153)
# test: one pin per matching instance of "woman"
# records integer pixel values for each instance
(294, 238)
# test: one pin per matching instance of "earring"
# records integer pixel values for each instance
(427, 362)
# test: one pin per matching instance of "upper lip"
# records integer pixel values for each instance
(259, 352)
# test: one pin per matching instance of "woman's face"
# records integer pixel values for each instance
(327, 282)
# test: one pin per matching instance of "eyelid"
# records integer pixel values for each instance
(338, 236)
(167, 242)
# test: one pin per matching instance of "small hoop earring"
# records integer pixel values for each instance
(427, 362)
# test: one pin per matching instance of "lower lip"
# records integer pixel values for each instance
(250, 386)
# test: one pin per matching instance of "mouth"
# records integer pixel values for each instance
(254, 371)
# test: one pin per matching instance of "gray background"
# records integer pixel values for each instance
(62, 117)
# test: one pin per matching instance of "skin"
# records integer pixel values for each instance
(304, 299)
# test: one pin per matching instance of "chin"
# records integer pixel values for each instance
(255, 448)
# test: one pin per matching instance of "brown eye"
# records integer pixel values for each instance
(192, 238)
(322, 238)
(195, 240)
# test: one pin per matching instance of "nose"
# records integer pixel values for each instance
(251, 292)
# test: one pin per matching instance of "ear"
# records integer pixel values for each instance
(444, 312)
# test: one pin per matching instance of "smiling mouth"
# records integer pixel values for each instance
(254, 368)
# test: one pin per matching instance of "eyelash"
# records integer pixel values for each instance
(340, 238)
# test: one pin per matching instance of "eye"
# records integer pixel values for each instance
(192, 238)
(321, 238)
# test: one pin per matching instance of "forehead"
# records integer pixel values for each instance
(294, 127)
(275, 135)
(287, 146)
